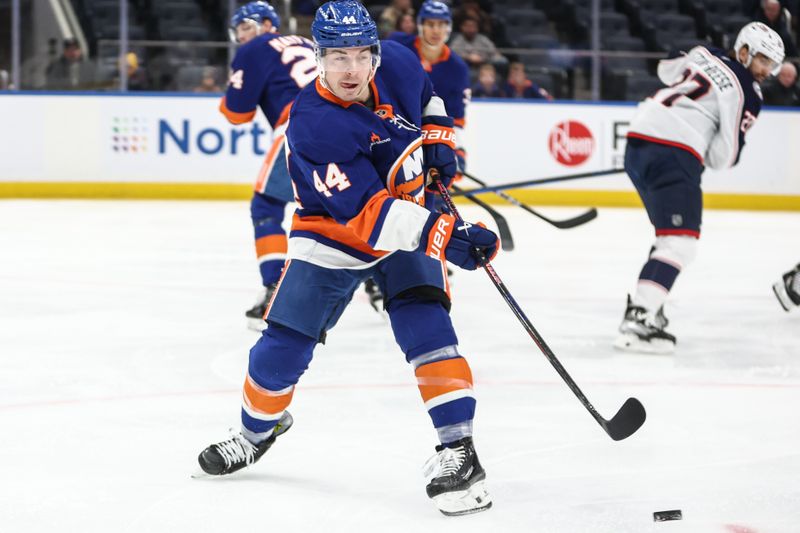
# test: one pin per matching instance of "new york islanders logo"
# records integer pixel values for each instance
(571, 143)
(406, 179)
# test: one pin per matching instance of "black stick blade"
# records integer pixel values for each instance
(628, 419)
(506, 240)
(589, 215)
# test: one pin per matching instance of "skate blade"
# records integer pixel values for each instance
(257, 324)
(783, 297)
(473, 500)
(629, 342)
(200, 474)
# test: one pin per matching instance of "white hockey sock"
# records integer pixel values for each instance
(649, 295)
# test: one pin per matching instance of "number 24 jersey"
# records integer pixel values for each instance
(357, 170)
(268, 71)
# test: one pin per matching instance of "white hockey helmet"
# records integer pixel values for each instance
(761, 39)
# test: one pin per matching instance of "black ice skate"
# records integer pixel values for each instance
(642, 332)
(237, 452)
(375, 295)
(787, 291)
(255, 315)
(458, 484)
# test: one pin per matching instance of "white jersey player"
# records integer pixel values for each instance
(787, 290)
(700, 119)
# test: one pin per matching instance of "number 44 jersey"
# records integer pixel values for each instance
(357, 170)
(710, 103)
(268, 71)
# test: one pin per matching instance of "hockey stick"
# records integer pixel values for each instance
(630, 416)
(529, 183)
(506, 241)
(591, 214)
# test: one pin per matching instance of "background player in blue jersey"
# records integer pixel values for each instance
(268, 71)
(360, 142)
(700, 119)
(448, 72)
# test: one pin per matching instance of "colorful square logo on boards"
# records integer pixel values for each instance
(129, 135)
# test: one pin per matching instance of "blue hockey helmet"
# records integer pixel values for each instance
(431, 9)
(344, 24)
(255, 12)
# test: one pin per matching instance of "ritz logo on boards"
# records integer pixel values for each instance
(135, 135)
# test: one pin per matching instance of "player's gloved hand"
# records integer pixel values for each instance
(461, 243)
(438, 148)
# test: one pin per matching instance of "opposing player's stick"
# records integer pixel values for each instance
(630, 416)
(583, 218)
(506, 241)
(529, 183)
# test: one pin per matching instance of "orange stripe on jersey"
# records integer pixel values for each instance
(264, 401)
(234, 117)
(284, 114)
(363, 223)
(441, 377)
(460, 122)
(328, 227)
(271, 244)
(269, 162)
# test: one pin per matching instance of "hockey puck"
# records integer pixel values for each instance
(664, 516)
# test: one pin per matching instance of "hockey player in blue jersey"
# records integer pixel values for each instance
(448, 72)
(360, 141)
(268, 71)
(700, 119)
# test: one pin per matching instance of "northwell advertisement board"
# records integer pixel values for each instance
(63, 140)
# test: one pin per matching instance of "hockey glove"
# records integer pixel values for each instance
(438, 148)
(461, 243)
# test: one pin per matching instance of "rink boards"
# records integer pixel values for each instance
(100, 145)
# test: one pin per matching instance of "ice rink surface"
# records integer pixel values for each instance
(124, 347)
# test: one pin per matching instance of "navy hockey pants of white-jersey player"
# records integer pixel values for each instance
(667, 179)
(309, 301)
